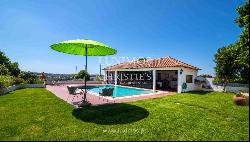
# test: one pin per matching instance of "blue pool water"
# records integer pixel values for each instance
(120, 91)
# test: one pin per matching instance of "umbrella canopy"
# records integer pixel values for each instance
(79, 47)
(84, 48)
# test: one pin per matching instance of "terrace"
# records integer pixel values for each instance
(62, 92)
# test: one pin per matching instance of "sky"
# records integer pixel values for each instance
(188, 30)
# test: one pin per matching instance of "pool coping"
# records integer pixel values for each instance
(125, 97)
(95, 99)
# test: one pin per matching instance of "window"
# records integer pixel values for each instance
(189, 79)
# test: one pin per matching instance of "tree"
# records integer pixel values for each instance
(4, 70)
(82, 74)
(232, 62)
(243, 22)
(242, 44)
(99, 78)
(12, 67)
(28, 77)
(225, 64)
(4, 59)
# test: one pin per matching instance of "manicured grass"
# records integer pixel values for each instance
(36, 114)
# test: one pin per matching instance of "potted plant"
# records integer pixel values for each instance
(240, 99)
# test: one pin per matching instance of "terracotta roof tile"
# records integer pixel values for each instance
(152, 63)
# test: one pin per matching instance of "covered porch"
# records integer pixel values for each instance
(156, 79)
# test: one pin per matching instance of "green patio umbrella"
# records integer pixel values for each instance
(84, 48)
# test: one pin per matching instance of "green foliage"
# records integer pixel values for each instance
(99, 78)
(4, 70)
(82, 74)
(232, 62)
(225, 63)
(217, 80)
(4, 59)
(239, 95)
(29, 77)
(12, 67)
(242, 44)
(18, 80)
(142, 59)
(243, 19)
(6, 81)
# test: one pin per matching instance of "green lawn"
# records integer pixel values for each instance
(36, 114)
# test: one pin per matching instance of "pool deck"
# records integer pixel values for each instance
(62, 92)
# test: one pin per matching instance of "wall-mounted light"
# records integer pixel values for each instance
(181, 71)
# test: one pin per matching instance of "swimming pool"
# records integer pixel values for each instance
(119, 91)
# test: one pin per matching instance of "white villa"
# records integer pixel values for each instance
(156, 74)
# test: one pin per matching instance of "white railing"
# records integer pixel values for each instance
(19, 86)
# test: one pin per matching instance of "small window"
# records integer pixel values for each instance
(189, 79)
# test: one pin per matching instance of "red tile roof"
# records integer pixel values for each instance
(152, 63)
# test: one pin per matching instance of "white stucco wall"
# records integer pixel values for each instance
(182, 79)
(233, 87)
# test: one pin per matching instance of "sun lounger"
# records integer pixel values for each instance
(74, 91)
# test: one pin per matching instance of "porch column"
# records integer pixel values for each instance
(179, 88)
(115, 77)
(154, 80)
(105, 76)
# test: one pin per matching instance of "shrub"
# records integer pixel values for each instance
(4, 70)
(12, 67)
(99, 78)
(18, 80)
(6, 81)
(30, 78)
(82, 74)
(239, 95)
(36, 81)
(235, 80)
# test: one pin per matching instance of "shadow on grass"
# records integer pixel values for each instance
(111, 114)
(199, 92)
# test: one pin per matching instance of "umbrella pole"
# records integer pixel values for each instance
(86, 69)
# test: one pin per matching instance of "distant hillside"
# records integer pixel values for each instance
(61, 77)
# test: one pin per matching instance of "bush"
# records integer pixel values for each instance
(30, 78)
(35, 81)
(18, 80)
(99, 78)
(236, 80)
(4, 70)
(6, 81)
(82, 74)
